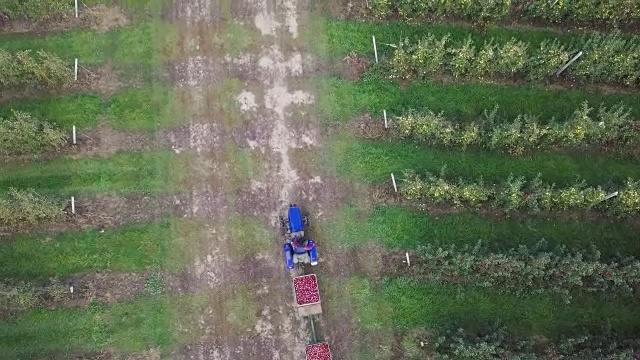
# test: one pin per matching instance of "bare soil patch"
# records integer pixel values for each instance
(80, 291)
(100, 18)
(103, 141)
(111, 354)
(107, 211)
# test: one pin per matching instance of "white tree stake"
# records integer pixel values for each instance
(76, 8)
(74, 135)
(71, 289)
(568, 64)
(408, 261)
(393, 179)
(73, 205)
(609, 196)
(386, 124)
(375, 48)
(75, 70)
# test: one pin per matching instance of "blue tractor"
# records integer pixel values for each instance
(297, 248)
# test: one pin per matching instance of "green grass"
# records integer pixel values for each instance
(398, 227)
(149, 5)
(374, 161)
(132, 326)
(138, 49)
(236, 39)
(245, 165)
(248, 237)
(147, 109)
(345, 36)
(130, 248)
(150, 172)
(242, 308)
(342, 100)
(405, 303)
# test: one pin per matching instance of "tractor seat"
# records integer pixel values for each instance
(299, 251)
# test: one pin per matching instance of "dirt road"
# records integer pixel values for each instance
(239, 75)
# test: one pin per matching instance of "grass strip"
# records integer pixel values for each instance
(138, 47)
(406, 303)
(342, 100)
(132, 326)
(401, 228)
(124, 173)
(130, 248)
(154, 6)
(146, 109)
(374, 161)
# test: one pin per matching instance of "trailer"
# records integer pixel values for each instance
(307, 295)
(308, 303)
(319, 351)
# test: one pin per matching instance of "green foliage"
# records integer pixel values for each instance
(154, 284)
(21, 133)
(19, 296)
(24, 70)
(524, 271)
(616, 12)
(606, 126)
(27, 207)
(497, 343)
(35, 10)
(518, 194)
(607, 59)
(580, 12)
(411, 9)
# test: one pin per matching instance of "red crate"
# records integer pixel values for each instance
(318, 352)
(306, 290)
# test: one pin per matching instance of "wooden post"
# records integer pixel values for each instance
(76, 8)
(568, 64)
(386, 124)
(74, 135)
(75, 70)
(393, 179)
(73, 205)
(408, 261)
(375, 48)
